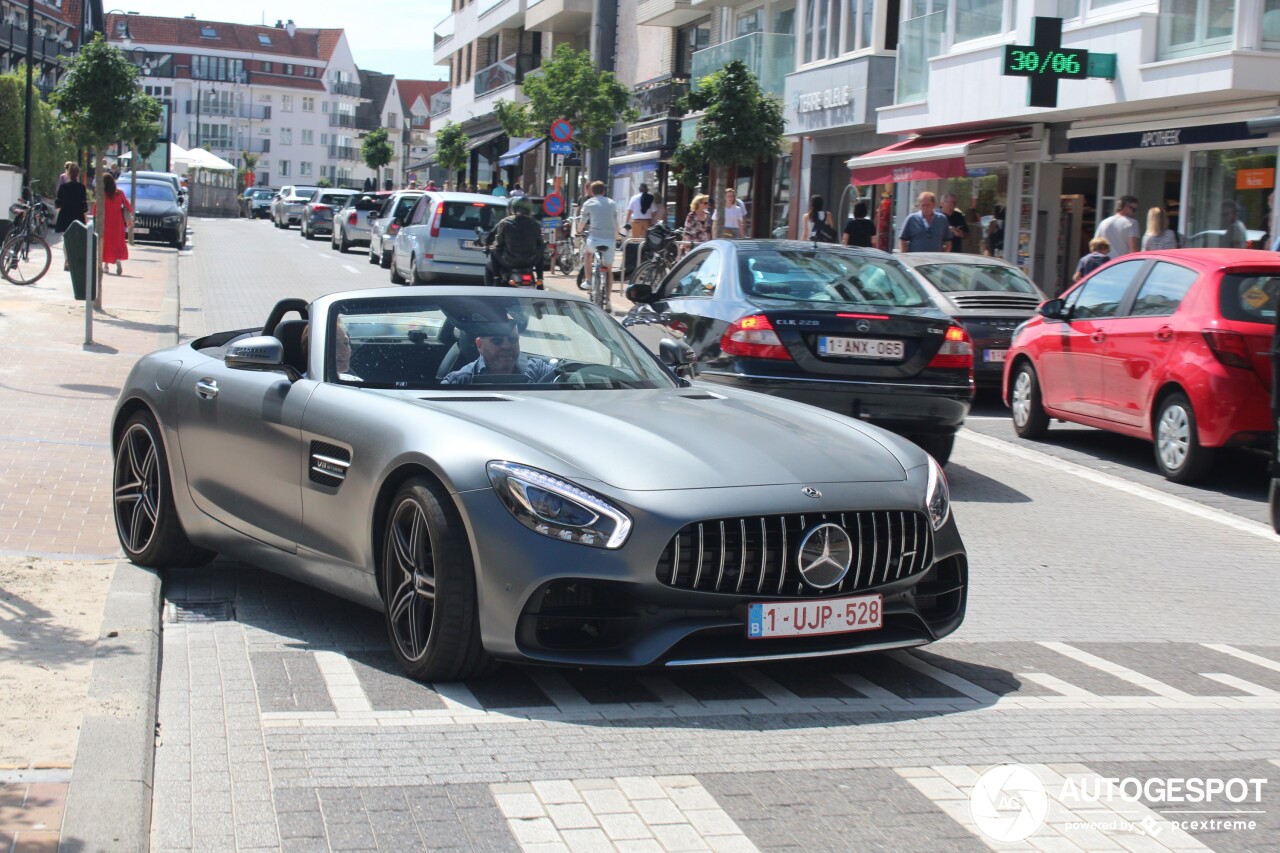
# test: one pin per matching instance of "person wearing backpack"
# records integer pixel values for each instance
(816, 224)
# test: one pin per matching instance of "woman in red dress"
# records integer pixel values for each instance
(115, 248)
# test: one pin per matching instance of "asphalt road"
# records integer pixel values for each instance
(1118, 628)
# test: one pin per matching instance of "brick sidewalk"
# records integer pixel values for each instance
(56, 398)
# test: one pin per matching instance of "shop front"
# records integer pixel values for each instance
(644, 158)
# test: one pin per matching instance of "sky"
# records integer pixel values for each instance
(391, 36)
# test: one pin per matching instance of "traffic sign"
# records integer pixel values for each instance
(561, 130)
(553, 205)
(565, 148)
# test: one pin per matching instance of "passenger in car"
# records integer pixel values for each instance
(341, 352)
(499, 348)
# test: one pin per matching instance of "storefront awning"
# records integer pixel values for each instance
(483, 140)
(643, 161)
(923, 158)
(426, 163)
(512, 157)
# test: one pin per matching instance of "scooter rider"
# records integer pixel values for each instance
(517, 242)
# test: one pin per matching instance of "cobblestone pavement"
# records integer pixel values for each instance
(1116, 630)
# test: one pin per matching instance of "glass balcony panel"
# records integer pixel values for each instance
(1271, 24)
(770, 56)
(444, 30)
(919, 41)
(495, 76)
(978, 18)
(1192, 27)
(656, 98)
(441, 102)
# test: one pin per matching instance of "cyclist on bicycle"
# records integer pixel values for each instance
(517, 242)
(600, 224)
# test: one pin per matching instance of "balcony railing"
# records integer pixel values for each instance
(46, 47)
(660, 97)
(344, 152)
(219, 143)
(504, 72)
(344, 87)
(256, 146)
(444, 30)
(225, 110)
(441, 102)
(770, 56)
(342, 120)
(920, 41)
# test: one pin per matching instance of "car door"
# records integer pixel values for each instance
(684, 308)
(415, 229)
(1070, 363)
(1139, 343)
(240, 436)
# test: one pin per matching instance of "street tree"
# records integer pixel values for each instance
(142, 132)
(96, 101)
(740, 124)
(451, 149)
(250, 168)
(569, 86)
(376, 151)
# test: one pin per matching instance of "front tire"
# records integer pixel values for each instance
(1029, 418)
(1179, 455)
(343, 245)
(429, 587)
(146, 519)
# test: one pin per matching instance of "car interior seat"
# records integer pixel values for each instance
(289, 333)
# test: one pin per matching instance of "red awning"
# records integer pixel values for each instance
(922, 158)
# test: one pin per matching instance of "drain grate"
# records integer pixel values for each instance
(220, 610)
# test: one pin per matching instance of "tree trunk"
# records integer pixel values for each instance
(133, 186)
(99, 221)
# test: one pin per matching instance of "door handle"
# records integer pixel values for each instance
(206, 389)
(1098, 337)
(1164, 333)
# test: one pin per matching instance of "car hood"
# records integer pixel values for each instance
(687, 438)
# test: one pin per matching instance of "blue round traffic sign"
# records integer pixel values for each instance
(553, 205)
(561, 130)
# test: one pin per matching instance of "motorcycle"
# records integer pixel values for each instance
(520, 276)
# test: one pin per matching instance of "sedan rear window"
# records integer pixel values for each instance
(467, 215)
(1251, 297)
(965, 278)
(828, 276)
(332, 198)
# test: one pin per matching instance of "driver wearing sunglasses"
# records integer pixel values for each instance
(499, 348)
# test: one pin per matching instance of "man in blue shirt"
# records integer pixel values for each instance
(500, 356)
(926, 230)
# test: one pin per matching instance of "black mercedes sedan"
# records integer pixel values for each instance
(157, 214)
(846, 329)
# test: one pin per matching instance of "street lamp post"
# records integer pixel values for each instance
(26, 127)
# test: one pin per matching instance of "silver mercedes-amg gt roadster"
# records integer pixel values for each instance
(510, 475)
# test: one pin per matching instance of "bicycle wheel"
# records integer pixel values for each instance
(599, 293)
(24, 259)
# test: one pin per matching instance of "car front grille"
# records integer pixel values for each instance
(758, 555)
(149, 221)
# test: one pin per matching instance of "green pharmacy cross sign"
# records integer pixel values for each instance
(1045, 61)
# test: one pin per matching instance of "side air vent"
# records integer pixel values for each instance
(701, 395)
(329, 464)
(466, 399)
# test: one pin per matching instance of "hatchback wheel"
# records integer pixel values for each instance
(343, 245)
(1179, 454)
(396, 278)
(373, 259)
(429, 587)
(1029, 418)
(385, 260)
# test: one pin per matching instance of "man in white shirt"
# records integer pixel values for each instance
(734, 216)
(1121, 230)
(640, 211)
(600, 224)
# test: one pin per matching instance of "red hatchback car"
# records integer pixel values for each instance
(1173, 347)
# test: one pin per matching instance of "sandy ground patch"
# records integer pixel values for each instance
(50, 617)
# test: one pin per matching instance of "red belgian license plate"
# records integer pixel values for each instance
(813, 618)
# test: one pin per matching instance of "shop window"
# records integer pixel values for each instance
(781, 197)
(1231, 198)
(978, 18)
(1190, 27)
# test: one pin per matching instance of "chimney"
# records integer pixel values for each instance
(291, 27)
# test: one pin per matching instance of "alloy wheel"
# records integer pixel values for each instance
(1021, 403)
(137, 489)
(1173, 437)
(411, 580)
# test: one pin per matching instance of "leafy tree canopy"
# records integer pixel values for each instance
(376, 149)
(142, 129)
(96, 97)
(739, 123)
(451, 147)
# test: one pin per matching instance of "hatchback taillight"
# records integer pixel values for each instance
(753, 337)
(435, 220)
(956, 352)
(352, 218)
(320, 207)
(1230, 348)
(393, 227)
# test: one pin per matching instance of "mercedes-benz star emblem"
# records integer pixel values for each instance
(825, 554)
(811, 492)
(863, 326)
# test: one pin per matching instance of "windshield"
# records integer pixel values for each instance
(533, 343)
(151, 192)
(807, 275)
(963, 278)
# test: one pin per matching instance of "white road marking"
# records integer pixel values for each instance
(343, 685)
(1111, 481)
(1241, 685)
(350, 269)
(1256, 660)
(1057, 684)
(955, 682)
(1122, 672)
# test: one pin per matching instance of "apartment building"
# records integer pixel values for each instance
(289, 95)
(57, 28)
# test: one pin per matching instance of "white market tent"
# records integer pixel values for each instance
(198, 158)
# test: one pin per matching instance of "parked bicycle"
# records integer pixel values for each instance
(25, 255)
(568, 248)
(659, 254)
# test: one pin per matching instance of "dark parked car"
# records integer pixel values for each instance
(158, 216)
(351, 222)
(260, 202)
(317, 215)
(846, 329)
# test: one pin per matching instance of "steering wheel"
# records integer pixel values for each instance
(579, 374)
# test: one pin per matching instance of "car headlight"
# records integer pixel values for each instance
(558, 509)
(172, 220)
(937, 498)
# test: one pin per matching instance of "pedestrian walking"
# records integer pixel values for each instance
(816, 224)
(734, 215)
(994, 235)
(1099, 254)
(640, 212)
(115, 222)
(697, 225)
(926, 230)
(71, 202)
(860, 230)
(956, 222)
(497, 188)
(66, 175)
(516, 190)
(884, 222)
(1121, 230)
(1159, 235)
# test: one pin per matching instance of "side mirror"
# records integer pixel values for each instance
(1054, 309)
(677, 355)
(264, 354)
(640, 293)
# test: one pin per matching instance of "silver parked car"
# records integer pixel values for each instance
(439, 239)
(388, 465)
(990, 297)
(352, 222)
(317, 214)
(288, 205)
(389, 220)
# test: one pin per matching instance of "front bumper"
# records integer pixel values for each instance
(558, 603)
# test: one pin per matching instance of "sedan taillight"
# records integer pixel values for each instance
(1230, 348)
(956, 352)
(753, 337)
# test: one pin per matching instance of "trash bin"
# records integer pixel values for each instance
(73, 243)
